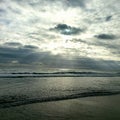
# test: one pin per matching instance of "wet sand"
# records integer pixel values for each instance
(90, 108)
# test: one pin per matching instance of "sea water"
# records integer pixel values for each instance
(28, 90)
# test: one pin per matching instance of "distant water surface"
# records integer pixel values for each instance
(20, 91)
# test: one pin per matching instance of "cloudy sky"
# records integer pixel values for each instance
(66, 34)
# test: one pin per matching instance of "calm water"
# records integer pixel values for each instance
(19, 91)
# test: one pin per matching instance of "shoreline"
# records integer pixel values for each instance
(8, 104)
(89, 108)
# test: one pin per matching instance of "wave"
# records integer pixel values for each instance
(58, 74)
(18, 100)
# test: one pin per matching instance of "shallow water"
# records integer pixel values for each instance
(20, 91)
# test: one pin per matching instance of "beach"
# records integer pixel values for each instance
(89, 108)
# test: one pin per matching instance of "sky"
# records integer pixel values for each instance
(64, 34)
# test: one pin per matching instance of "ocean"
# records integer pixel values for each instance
(27, 90)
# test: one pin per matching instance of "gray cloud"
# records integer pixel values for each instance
(96, 64)
(29, 54)
(108, 18)
(67, 30)
(77, 3)
(5, 21)
(105, 36)
(68, 3)
(2, 11)
(79, 41)
(12, 44)
(30, 47)
(15, 52)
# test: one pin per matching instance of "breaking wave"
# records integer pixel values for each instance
(18, 100)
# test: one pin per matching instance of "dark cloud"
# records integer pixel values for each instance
(15, 52)
(67, 30)
(77, 3)
(105, 36)
(78, 41)
(30, 47)
(12, 44)
(108, 18)
(27, 54)
(68, 3)
(31, 55)
(96, 64)
(2, 11)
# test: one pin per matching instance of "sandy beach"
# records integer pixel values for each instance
(90, 108)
